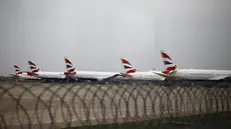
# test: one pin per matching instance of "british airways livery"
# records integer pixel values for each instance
(132, 73)
(87, 75)
(171, 71)
(45, 75)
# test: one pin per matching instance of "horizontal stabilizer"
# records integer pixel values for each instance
(15, 76)
(32, 74)
(114, 76)
(161, 74)
(125, 75)
(219, 77)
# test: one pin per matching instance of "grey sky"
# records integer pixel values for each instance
(94, 34)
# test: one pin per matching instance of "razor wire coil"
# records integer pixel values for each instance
(74, 105)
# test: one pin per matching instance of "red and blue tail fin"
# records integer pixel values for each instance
(170, 66)
(127, 66)
(69, 66)
(17, 69)
(33, 67)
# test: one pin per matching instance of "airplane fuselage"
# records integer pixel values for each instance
(50, 75)
(26, 76)
(94, 75)
(201, 74)
(145, 76)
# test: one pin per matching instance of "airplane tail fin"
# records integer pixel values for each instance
(17, 69)
(170, 66)
(127, 66)
(70, 67)
(33, 67)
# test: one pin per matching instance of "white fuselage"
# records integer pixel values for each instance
(50, 75)
(201, 74)
(93, 75)
(25, 76)
(145, 76)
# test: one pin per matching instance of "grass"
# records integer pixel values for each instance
(208, 121)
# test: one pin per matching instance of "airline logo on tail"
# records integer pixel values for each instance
(170, 66)
(33, 67)
(70, 67)
(17, 70)
(127, 66)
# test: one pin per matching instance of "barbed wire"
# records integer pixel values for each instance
(53, 105)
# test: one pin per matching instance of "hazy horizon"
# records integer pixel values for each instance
(94, 35)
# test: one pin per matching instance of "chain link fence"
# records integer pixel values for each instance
(117, 106)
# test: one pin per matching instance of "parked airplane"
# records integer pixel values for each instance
(132, 73)
(172, 72)
(46, 76)
(88, 75)
(22, 75)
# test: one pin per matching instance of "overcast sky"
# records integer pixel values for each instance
(95, 34)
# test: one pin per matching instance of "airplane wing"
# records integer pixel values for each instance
(219, 77)
(126, 75)
(15, 77)
(161, 74)
(33, 74)
(113, 76)
(166, 76)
